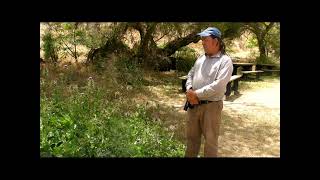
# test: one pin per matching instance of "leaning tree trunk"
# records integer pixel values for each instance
(151, 55)
(91, 55)
(174, 45)
(163, 62)
(113, 44)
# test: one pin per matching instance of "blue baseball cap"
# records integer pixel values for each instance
(210, 31)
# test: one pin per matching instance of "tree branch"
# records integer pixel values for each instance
(55, 29)
(269, 26)
(161, 37)
(174, 45)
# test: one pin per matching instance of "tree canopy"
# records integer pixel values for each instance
(153, 41)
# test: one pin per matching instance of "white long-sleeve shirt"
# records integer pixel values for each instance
(209, 76)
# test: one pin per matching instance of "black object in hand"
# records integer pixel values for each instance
(187, 105)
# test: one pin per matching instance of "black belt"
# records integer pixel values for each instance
(204, 102)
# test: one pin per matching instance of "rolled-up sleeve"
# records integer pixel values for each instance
(219, 84)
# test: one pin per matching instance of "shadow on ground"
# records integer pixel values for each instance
(233, 97)
(240, 137)
(243, 133)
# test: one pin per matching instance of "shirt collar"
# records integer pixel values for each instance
(214, 56)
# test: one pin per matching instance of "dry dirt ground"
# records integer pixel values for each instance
(250, 122)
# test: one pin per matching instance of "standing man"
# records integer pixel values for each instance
(206, 86)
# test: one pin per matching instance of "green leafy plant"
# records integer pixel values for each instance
(185, 59)
(88, 122)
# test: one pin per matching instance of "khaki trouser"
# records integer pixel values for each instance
(204, 119)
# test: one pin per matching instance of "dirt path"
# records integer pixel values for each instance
(250, 122)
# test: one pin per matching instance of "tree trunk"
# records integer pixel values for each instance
(74, 40)
(176, 44)
(145, 40)
(91, 55)
(262, 49)
(261, 30)
(75, 47)
(150, 55)
(114, 44)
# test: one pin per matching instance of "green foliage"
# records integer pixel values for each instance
(269, 35)
(267, 60)
(161, 46)
(129, 71)
(88, 122)
(98, 34)
(252, 42)
(103, 40)
(49, 47)
(66, 37)
(173, 30)
(185, 58)
(70, 36)
(230, 30)
(273, 40)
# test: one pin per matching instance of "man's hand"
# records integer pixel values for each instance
(192, 97)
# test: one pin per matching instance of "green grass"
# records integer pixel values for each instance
(87, 120)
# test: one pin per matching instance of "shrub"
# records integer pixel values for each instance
(185, 59)
(129, 71)
(87, 122)
(50, 47)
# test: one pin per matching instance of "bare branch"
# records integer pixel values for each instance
(161, 37)
(269, 26)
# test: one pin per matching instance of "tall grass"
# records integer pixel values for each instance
(83, 116)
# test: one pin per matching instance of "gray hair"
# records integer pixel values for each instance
(222, 46)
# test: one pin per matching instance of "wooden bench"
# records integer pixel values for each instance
(268, 66)
(183, 82)
(235, 79)
(246, 73)
(271, 71)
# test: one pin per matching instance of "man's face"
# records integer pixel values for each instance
(209, 44)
